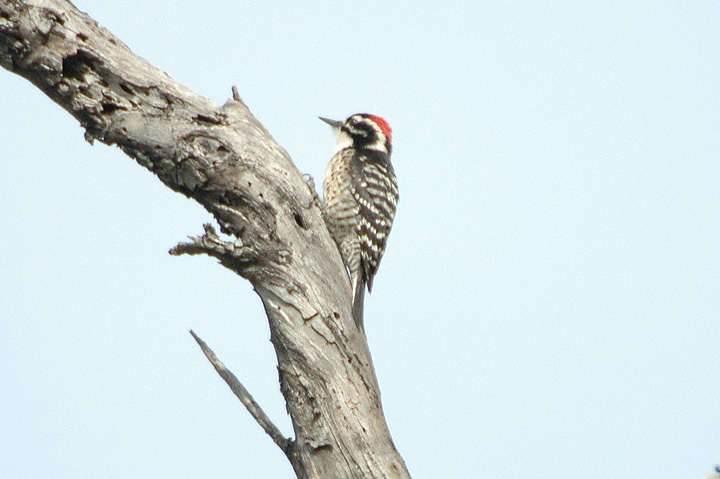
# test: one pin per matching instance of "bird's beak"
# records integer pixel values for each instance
(333, 123)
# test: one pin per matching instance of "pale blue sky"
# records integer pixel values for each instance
(548, 305)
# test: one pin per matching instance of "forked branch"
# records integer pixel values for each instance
(222, 157)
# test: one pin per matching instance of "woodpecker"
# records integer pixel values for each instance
(361, 195)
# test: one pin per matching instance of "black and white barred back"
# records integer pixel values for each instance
(361, 196)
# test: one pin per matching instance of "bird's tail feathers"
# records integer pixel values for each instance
(358, 300)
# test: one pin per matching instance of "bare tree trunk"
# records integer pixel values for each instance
(226, 160)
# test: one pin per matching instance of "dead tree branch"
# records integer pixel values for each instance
(246, 399)
(222, 157)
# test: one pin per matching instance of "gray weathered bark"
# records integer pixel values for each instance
(224, 158)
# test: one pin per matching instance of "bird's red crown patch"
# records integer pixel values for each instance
(384, 126)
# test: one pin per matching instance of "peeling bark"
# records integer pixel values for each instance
(222, 157)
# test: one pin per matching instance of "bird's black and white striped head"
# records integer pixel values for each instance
(363, 131)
